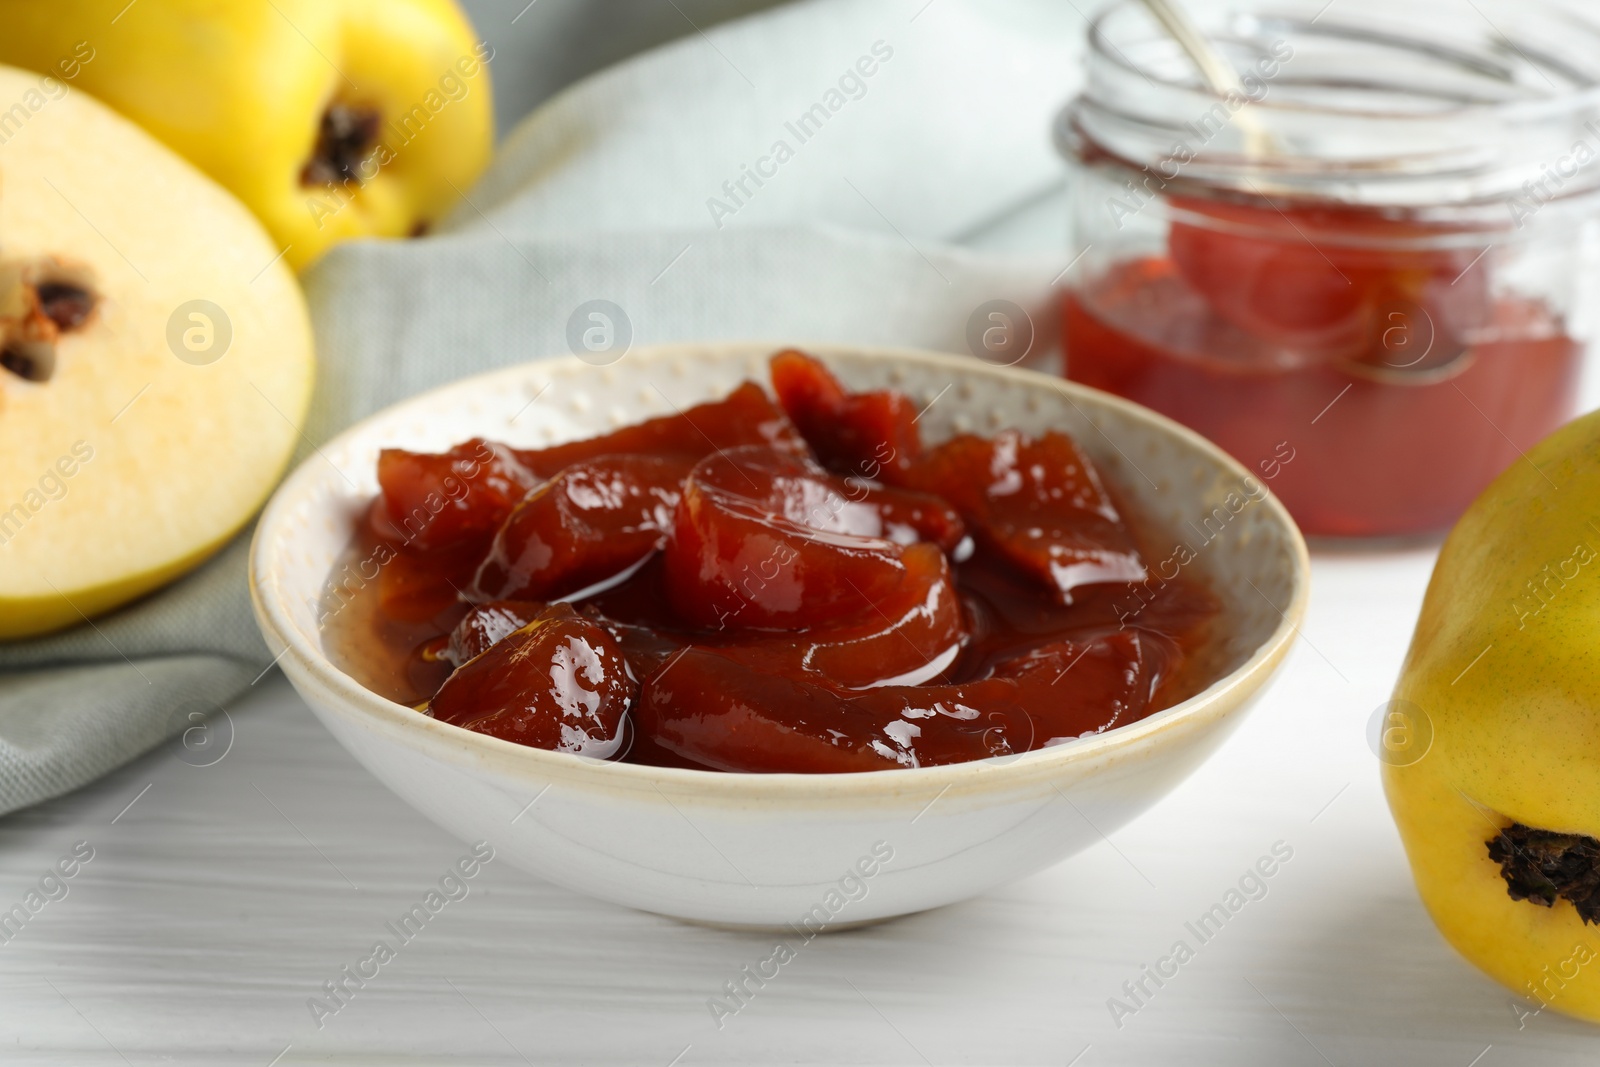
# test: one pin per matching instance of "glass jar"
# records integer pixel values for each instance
(1370, 272)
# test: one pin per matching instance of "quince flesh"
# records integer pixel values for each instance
(330, 119)
(1496, 785)
(139, 427)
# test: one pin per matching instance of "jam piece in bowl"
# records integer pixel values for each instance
(768, 540)
(558, 682)
(747, 416)
(728, 715)
(460, 496)
(853, 433)
(749, 587)
(585, 526)
(1037, 503)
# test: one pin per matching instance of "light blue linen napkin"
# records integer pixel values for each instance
(914, 182)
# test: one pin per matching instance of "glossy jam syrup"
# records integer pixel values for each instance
(1378, 383)
(741, 606)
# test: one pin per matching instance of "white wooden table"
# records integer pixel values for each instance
(221, 898)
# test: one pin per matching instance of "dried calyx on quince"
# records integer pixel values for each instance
(1542, 865)
(40, 299)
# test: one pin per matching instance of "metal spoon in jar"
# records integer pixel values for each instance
(1215, 70)
(1414, 333)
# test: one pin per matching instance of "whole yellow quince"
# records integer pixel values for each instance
(330, 119)
(1492, 745)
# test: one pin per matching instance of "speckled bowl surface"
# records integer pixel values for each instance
(817, 851)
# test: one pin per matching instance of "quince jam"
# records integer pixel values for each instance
(799, 586)
(1374, 368)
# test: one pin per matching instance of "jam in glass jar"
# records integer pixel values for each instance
(1367, 272)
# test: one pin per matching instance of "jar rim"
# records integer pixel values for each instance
(1098, 38)
(1458, 126)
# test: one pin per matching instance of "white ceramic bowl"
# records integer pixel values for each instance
(768, 850)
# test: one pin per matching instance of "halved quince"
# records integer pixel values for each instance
(155, 361)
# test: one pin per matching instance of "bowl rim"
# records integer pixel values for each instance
(466, 746)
